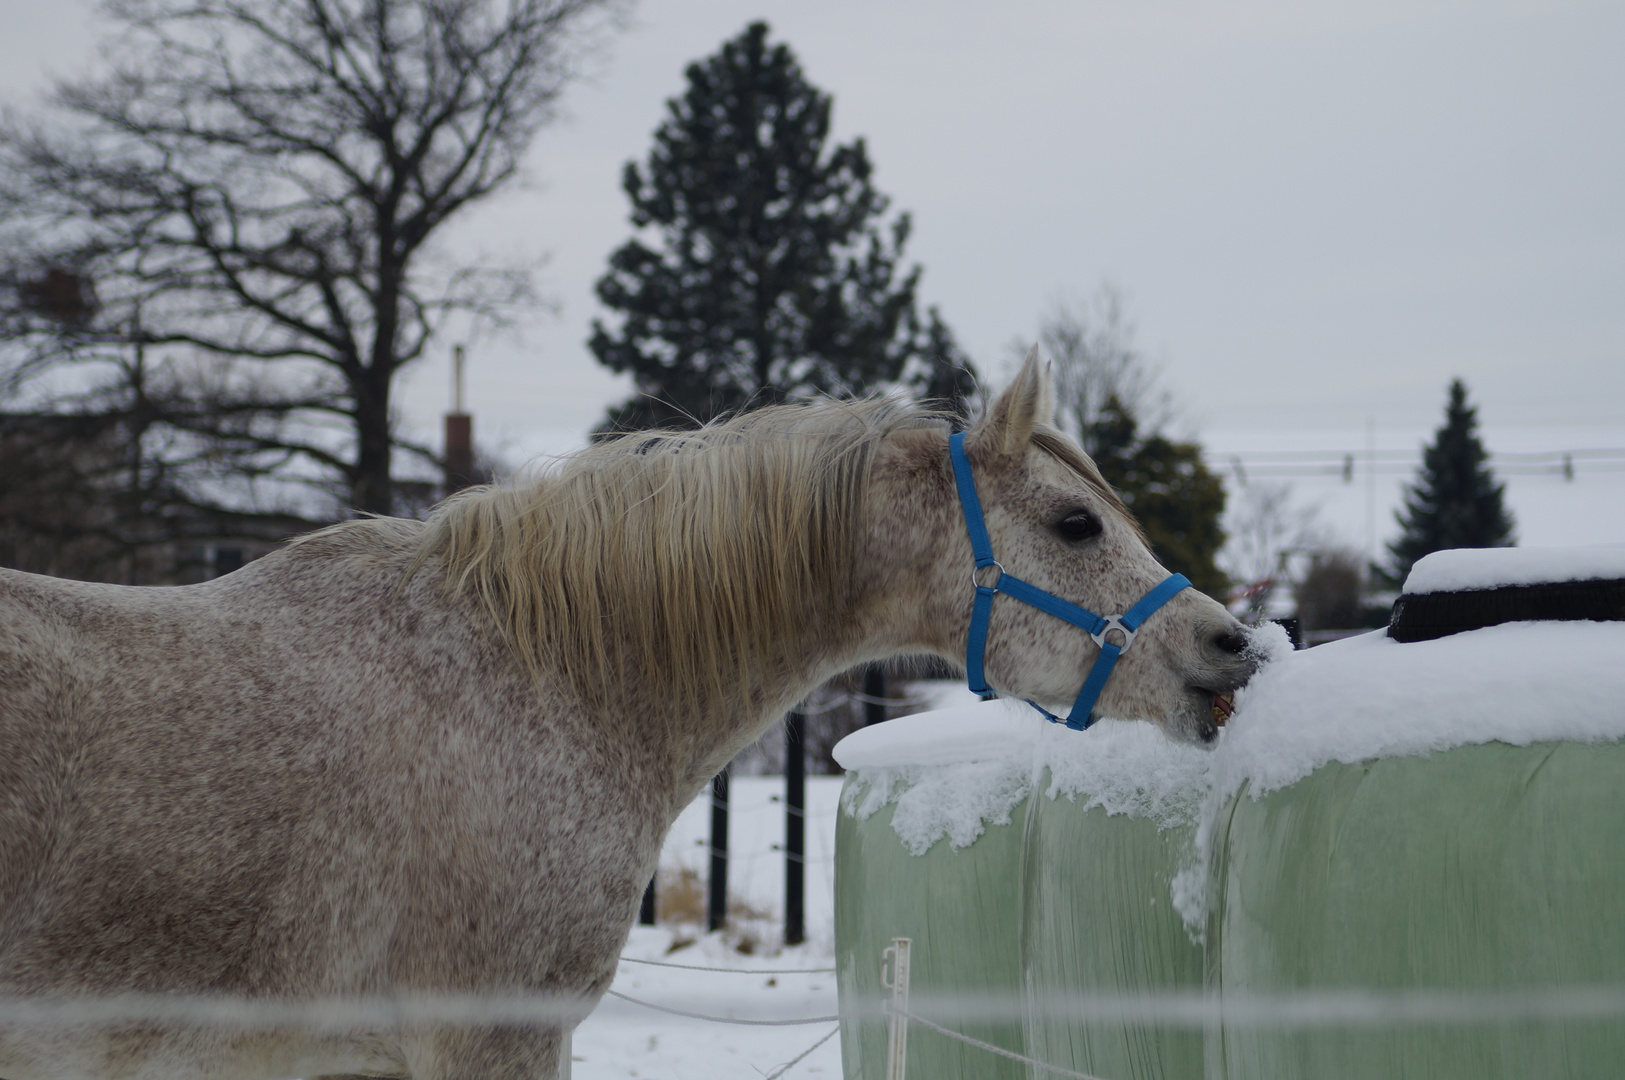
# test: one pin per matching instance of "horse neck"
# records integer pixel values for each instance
(907, 592)
(833, 637)
(913, 592)
(897, 600)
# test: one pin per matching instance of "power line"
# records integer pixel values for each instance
(1277, 464)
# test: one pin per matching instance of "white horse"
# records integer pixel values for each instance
(401, 758)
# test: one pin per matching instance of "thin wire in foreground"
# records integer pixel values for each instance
(732, 971)
(1195, 1009)
(999, 1050)
(332, 1014)
(1302, 1008)
(723, 1019)
(799, 1058)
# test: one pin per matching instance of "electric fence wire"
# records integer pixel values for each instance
(799, 1058)
(990, 1048)
(796, 1022)
(731, 971)
(1303, 1008)
(842, 700)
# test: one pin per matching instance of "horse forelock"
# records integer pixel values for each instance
(686, 564)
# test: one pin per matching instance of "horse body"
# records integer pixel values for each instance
(383, 760)
(307, 817)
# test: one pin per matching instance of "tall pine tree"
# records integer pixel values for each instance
(775, 275)
(1178, 501)
(1455, 501)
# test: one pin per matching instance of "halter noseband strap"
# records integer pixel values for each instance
(1096, 626)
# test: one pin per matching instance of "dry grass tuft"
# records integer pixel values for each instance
(680, 897)
(681, 900)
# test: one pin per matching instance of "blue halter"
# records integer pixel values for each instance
(1095, 626)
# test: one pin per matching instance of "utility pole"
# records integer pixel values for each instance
(1370, 490)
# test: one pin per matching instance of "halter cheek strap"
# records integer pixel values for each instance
(1096, 626)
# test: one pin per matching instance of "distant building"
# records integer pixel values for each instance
(74, 504)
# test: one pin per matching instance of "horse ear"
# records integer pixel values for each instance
(1026, 403)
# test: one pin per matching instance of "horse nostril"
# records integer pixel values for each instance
(1232, 641)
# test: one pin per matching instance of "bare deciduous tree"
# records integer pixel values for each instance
(259, 186)
(1330, 592)
(1264, 527)
(1090, 341)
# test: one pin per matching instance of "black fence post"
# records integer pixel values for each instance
(717, 909)
(795, 828)
(874, 693)
(646, 910)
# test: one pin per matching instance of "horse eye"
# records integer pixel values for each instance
(1078, 526)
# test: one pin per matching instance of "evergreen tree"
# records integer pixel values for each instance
(1455, 501)
(775, 276)
(1178, 501)
(939, 370)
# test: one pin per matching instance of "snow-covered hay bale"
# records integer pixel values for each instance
(1108, 838)
(1480, 869)
(928, 847)
(1027, 863)
(1441, 817)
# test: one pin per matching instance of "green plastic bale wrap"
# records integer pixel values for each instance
(1097, 918)
(959, 907)
(1479, 869)
(1022, 898)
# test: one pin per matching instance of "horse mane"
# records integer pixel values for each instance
(683, 563)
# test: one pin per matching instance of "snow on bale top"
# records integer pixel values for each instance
(981, 731)
(953, 771)
(1372, 697)
(1462, 569)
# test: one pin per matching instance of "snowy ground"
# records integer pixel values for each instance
(625, 1040)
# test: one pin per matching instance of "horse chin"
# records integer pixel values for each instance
(1186, 715)
(1196, 731)
(1201, 716)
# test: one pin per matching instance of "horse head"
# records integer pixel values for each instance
(1054, 524)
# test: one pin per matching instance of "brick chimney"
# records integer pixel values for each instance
(459, 433)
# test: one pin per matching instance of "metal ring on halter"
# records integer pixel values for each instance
(1114, 622)
(978, 569)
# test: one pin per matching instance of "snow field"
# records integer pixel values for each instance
(624, 1040)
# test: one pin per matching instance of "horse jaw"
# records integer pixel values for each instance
(1183, 670)
(1188, 657)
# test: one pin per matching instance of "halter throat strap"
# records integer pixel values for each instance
(1098, 627)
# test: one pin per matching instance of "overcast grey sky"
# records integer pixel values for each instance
(1321, 212)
